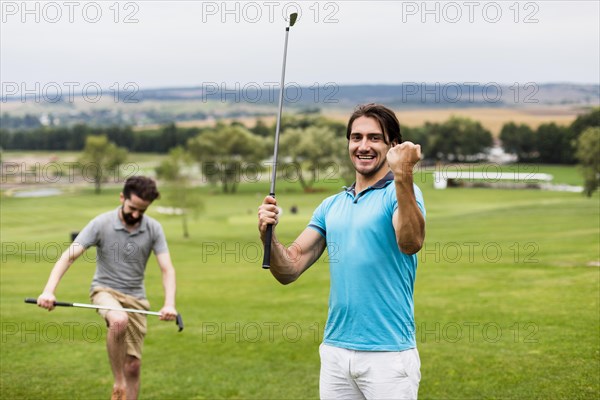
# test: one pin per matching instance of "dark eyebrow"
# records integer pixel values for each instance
(137, 209)
(369, 135)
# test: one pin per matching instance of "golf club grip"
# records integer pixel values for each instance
(31, 300)
(267, 256)
(179, 322)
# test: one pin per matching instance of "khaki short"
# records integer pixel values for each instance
(136, 328)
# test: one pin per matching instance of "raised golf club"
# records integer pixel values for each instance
(269, 233)
(178, 320)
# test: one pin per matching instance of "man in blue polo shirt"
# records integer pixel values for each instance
(374, 228)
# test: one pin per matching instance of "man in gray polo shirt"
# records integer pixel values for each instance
(124, 239)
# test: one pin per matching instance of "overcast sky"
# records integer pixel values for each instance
(189, 43)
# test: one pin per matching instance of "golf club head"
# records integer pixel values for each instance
(179, 322)
(293, 17)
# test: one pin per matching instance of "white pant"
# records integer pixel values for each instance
(350, 374)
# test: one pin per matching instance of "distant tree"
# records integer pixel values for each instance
(339, 128)
(226, 153)
(336, 163)
(315, 149)
(168, 136)
(181, 195)
(346, 168)
(302, 121)
(588, 154)
(519, 140)
(261, 129)
(79, 134)
(237, 123)
(121, 136)
(458, 139)
(5, 138)
(558, 144)
(584, 121)
(309, 110)
(11, 122)
(554, 144)
(163, 139)
(417, 135)
(101, 159)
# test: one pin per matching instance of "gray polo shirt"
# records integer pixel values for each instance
(121, 256)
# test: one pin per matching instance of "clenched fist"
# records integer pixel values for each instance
(46, 300)
(402, 158)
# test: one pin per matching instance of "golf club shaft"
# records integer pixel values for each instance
(278, 125)
(269, 233)
(96, 307)
(178, 320)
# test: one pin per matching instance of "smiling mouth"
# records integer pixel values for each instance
(365, 157)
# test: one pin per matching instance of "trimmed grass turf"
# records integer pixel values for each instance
(506, 303)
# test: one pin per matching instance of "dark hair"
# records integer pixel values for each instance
(384, 116)
(141, 186)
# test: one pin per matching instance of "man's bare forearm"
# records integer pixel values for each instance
(288, 263)
(410, 224)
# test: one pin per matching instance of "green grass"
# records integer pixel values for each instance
(506, 300)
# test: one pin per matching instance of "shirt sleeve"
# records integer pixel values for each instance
(160, 241)
(317, 222)
(90, 234)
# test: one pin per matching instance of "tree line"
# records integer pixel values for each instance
(73, 138)
(457, 139)
(313, 143)
(549, 143)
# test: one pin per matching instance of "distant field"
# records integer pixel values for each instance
(491, 118)
(506, 300)
(247, 121)
(18, 108)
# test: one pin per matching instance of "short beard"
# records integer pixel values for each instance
(373, 172)
(129, 220)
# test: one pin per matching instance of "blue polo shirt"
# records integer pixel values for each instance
(372, 281)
